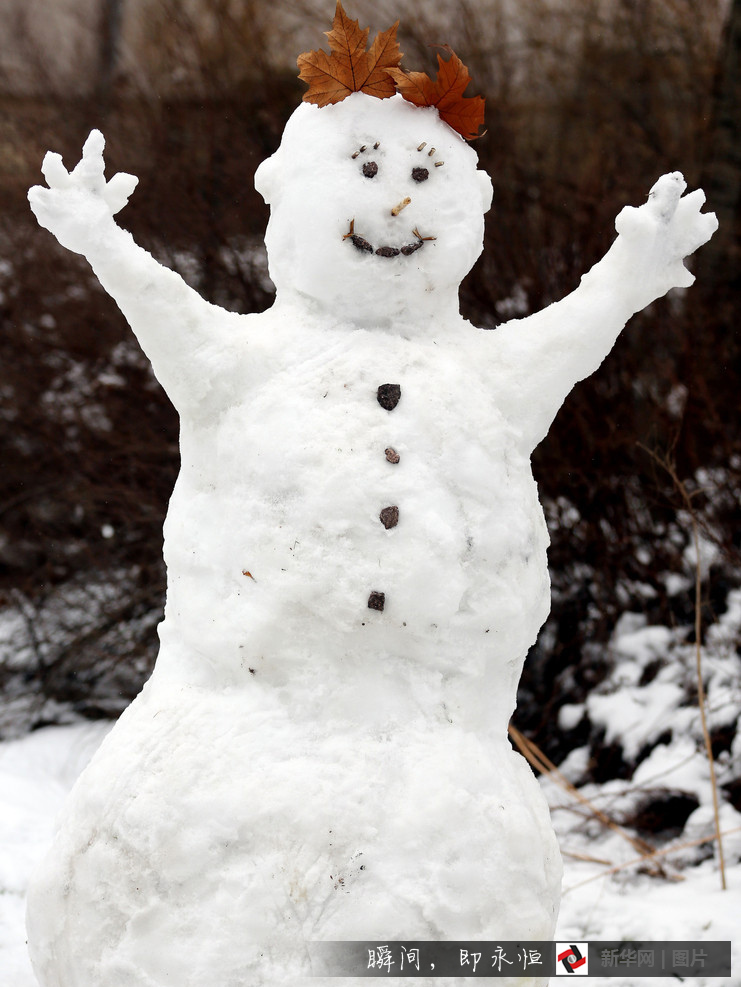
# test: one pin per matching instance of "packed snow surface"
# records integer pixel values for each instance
(356, 568)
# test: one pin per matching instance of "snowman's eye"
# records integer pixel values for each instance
(370, 169)
(420, 174)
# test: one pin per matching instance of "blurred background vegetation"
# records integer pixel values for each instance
(588, 102)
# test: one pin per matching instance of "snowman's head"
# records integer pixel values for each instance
(377, 210)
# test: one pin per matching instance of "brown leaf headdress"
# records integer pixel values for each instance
(352, 67)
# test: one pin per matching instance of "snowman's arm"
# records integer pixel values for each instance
(545, 354)
(174, 325)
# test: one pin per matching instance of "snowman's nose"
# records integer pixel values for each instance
(400, 205)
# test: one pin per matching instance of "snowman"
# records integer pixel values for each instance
(356, 566)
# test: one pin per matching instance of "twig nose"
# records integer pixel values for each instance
(400, 205)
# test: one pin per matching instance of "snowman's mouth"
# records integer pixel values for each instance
(360, 243)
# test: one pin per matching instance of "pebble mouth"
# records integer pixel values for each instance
(360, 243)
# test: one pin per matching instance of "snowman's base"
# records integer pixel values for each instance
(214, 835)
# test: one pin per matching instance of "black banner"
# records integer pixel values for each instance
(423, 958)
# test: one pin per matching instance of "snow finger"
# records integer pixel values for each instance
(41, 202)
(633, 223)
(695, 230)
(54, 172)
(693, 201)
(118, 190)
(94, 145)
(38, 195)
(681, 276)
(91, 168)
(664, 196)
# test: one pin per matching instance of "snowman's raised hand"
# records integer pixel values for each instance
(553, 349)
(658, 235)
(78, 206)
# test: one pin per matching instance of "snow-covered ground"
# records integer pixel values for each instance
(686, 903)
(36, 773)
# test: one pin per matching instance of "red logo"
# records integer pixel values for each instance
(570, 959)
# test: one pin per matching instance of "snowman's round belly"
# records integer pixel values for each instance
(360, 503)
(216, 855)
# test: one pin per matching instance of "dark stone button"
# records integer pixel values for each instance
(389, 517)
(389, 395)
(376, 601)
(392, 455)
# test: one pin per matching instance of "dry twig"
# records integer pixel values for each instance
(539, 760)
(667, 464)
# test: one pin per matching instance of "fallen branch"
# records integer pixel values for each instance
(542, 763)
(657, 853)
(585, 857)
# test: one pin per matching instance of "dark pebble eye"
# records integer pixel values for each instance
(370, 169)
(420, 174)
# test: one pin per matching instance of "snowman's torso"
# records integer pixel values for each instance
(293, 523)
(302, 766)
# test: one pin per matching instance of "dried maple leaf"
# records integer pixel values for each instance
(350, 68)
(463, 113)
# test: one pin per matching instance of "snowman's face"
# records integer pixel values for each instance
(376, 209)
(399, 169)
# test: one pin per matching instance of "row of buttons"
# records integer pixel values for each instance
(388, 396)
